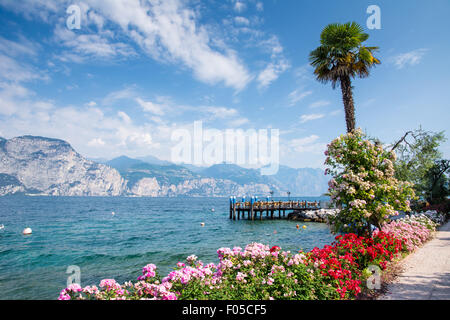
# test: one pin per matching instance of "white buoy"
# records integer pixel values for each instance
(2, 227)
(213, 210)
(27, 231)
(113, 213)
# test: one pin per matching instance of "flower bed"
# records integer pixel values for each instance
(342, 263)
(413, 230)
(258, 272)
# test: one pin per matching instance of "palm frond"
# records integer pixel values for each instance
(341, 53)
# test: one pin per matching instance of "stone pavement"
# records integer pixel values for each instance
(426, 273)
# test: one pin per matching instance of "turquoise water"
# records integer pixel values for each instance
(82, 231)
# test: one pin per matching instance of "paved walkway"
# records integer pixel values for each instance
(426, 273)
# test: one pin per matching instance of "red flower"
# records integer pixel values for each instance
(275, 248)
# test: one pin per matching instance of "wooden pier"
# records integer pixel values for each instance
(256, 210)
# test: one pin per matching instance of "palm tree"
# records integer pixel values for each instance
(341, 57)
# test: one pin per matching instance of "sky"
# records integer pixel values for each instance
(135, 72)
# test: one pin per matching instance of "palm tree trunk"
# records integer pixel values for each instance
(347, 97)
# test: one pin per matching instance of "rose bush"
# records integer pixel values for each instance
(363, 184)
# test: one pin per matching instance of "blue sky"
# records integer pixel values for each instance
(136, 71)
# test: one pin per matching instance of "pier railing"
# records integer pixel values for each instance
(256, 209)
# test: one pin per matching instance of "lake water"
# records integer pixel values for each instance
(82, 231)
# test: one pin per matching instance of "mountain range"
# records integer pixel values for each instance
(46, 166)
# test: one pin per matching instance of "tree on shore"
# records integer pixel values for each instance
(340, 57)
(438, 180)
(420, 161)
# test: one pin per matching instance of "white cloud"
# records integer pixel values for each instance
(241, 21)
(90, 45)
(151, 107)
(126, 93)
(166, 30)
(12, 67)
(304, 72)
(259, 6)
(308, 144)
(272, 45)
(272, 72)
(90, 130)
(126, 118)
(411, 58)
(219, 112)
(335, 112)
(278, 64)
(239, 6)
(91, 104)
(297, 95)
(320, 103)
(11, 70)
(9, 92)
(238, 122)
(97, 142)
(33, 8)
(309, 117)
(22, 47)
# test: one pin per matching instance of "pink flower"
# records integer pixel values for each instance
(241, 277)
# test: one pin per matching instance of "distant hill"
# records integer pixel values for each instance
(31, 164)
(134, 170)
(122, 163)
(193, 168)
(154, 160)
(235, 173)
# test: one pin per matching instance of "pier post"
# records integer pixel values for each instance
(271, 210)
(233, 201)
(251, 211)
(239, 211)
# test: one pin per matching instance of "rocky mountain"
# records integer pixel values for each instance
(10, 185)
(145, 179)
(303, 181)
(52, 167)
(47, 166)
